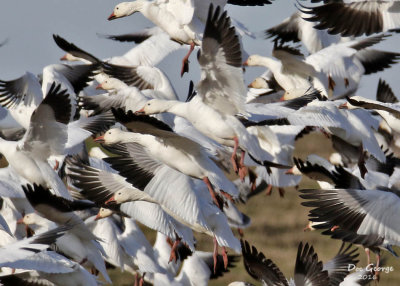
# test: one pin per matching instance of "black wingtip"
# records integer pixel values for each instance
(59, 101)
(218, 27)
(127, 117)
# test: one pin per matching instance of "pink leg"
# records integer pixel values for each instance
(233, 158)
(136, 279)
(173, 255)
(185, 61)
(378, 260)
(242, 167)
(335, 227)
(269, 190)
(56, 165)
(212, 192)
(215, 254)
(367, 251)
(226, 195)
(225, 257)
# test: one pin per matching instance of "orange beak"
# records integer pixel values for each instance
(343, 106)
(112, 199)
(245, 63)
(21, 221)
(282, 98)
(98, 216)
(99, 86)
(99, 139)
(140, 112)
(64, 58)
(290, 171)
(112, 17)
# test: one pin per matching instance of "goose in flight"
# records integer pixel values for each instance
(182, 20)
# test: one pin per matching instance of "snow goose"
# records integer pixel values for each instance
(150, 52)
(136, 245)
(206, 218)
(294, 81)
(295, 29)
(143, 77)
(308, 269)
(105, 187)
(183, 21)
(61, 211)
(336, 70)
(336, 176)
(196, 269)
(122, 96)
(178, 194)
(157, 140)
(29, 246)
(154, 217)
(390, 112)
(46, 135)
(355, 17)
(21, 96)
(109, 186)
(221, 93)
(52, 267)
(360, 216)
(355, 128)
(124, 244)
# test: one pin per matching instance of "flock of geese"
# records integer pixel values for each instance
(68, 212)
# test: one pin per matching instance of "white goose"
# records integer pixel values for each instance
(182, 20)
(221, 93)
(390, 112)
(52, 268)
(61, 211)
(354, 17)
(141, 76)
(167, 147)
(47, 135)
(29, 246)
(295, 29)
(367, 213)
(336, 70)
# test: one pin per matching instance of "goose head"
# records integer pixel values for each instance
(293, 171)
(111, 83)
(259, 82)
(120, 197)
(69, 57)
(111, 136)
(354, 102)
(124, 9)
(253, 60)
(103, 213)
(153, 106)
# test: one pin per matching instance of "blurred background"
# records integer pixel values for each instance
(278, 223)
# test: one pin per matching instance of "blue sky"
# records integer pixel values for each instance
(29, 26)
